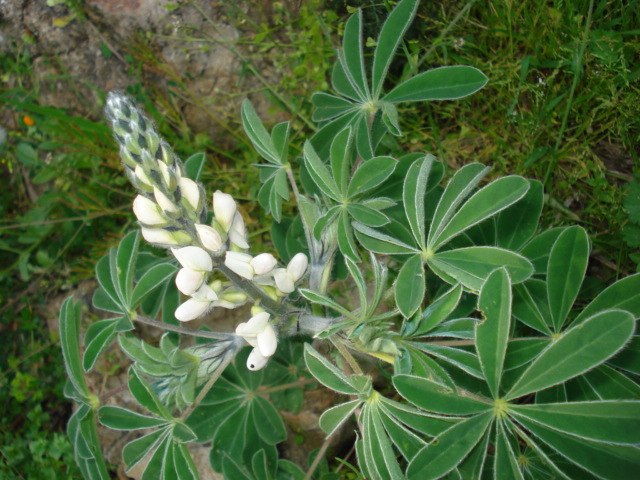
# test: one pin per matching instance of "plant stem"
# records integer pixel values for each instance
(337, 342)
(184, 330)
(319, 456)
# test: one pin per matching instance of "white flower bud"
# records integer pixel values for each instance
(239, 263)
(267, 341)
(253, 326)
(297, 266)
(191, 309)
(166, 173)
(224, 209)
(142, 176)
(206, 293)
(283, 280)
(255, 360)
(159, 236)
(209, 237)
(164, 202)
(193, 258)
(190, 191)
(237, 233)
(263, 263)
(189, 281)
(147, 211)
(232, 298)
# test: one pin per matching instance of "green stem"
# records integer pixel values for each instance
(337, 342)
(184, 330)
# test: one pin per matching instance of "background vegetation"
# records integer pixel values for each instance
(561, 106)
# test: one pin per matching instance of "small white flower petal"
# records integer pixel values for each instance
(267, 341)
(189, 190)
(142, 176)
(205, 293)
(255, 360)
(164, 202)
(147, 211)
(191, 309)
(239, 263)
(194, 258)
(253, 326)
(158, 236)
(297, 266)
(189, 281)
(224, 209)
(263, 263)
(209, 237)
(283, 280)
(237, 233)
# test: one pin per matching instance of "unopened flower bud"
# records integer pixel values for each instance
(253, 326)
(167, 176)
(209, 237)
(142, 176)
(164, 202)
(191, 309)
(255, 360)
(193, 258)
(240, 263)
(190, 191)
(283, 280)
(159, 236)
(267, 341)
(224, 209)
(147, 211)
(189, 281)
(297, 266)
(237, 233)
(263, 263)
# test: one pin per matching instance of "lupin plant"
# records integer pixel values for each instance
(463, 311)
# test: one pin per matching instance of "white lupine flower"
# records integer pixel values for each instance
(297, 266)
(189, 190)
(193, 258)
(158, 235)
(237, 233)
(164, 202)
(240, 263)
(189, 281)
(147, 211)
(209, 237)
(263, 263)
(283, 280)
(191, 309)
(224, 209)
(142, 176)
(260, 334)
(256, 361)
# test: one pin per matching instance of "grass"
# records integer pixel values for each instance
(561, 106)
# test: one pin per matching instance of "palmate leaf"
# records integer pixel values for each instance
(326, 373)
(435, 314)
(86, 445)
(352, 56)
(329, 106)
(578, 350)
(413, 192)
(378, 451)
(623, 295)
(410, 286)
(518, 223)
(70, 343)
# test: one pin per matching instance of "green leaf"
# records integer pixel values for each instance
(623, 295)
(420, 421)
(152, 279)
(346, 241)
(462, 359)
(103, 301)
(578, 350)
(334, 417)
(70, 343)
(506, 462)
(485, 203)
(436, 397)
(342, 84)
(329, 106)
(320, 174)
(458, 188)
(377, 447)
(413, 192)
(492, 333)
(98, 337)
(326, 373)
(438, 311)
(324, 300)
(410, 286)
(407, 442)
(280, 138)
(86, 445)
(119, 418)
(341, 158)
(185, 467)
(530, 305)
(606, 421)
(126, 265)
(352, 57)
(366, 215)
(444, 83)
(538, 248)
(267, 421)
(449, 449)
(567, 266)
(390, 37)
(193, 166)
(379, 242)
(370, 174)
(518, 223)
(472, 265)
(259, 465)
(260, 138)
(145, 395)
(103, 273)
(614, 462)
(136, 450)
